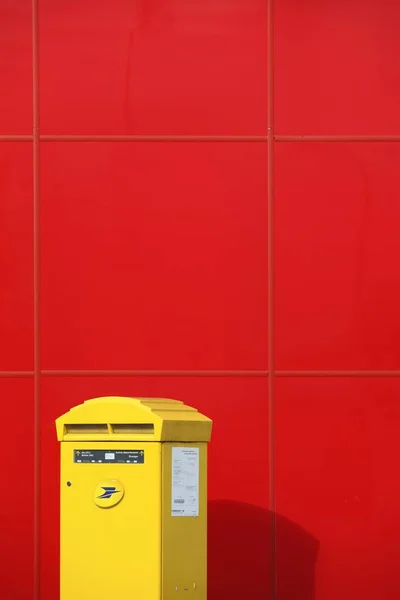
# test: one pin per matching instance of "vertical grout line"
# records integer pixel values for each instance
(36, 292)
(271, 299)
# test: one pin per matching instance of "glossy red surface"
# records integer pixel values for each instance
(17, 495)
(155, 255)
(153, 66)
(337, 449)
(238, 495)
(16, 264)
(16, 67)
(337, 249)
(336, 67)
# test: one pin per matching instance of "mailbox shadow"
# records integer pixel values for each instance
(239, 551)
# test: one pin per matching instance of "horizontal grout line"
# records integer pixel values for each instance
(16, 138)
(337, 373)
(151, 373)
(15, 374)
(199, 373)
(337, 138)
(201, 138)
(153, 138)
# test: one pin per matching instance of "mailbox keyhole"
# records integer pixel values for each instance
(69, 483)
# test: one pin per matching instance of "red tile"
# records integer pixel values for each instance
(16, 256)
(336, 67)
(337, 248)
(16, 67)
(154, 255)
(16, 501)
(337, 451)
(153, 67)
(238, 471)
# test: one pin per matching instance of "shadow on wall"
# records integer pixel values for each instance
(238, 545)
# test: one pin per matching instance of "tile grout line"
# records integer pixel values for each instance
(271, 298)
(327, 374)
(196, 373)
(336, 138)
(16, 138)
(280, 138)
(36, 293)
(151, 373)
(219, 138)
(155, 138)
(16, 374)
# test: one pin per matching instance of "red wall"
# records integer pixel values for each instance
(255, 278)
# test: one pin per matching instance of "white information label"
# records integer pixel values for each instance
(185, 482)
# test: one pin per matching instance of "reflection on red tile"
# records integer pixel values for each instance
(336, 67)
(16, 67)
(337, 449)
(337, 248)
(16, 257)
(16, 500)
(153, 67)
(238, 469)
(154, 255)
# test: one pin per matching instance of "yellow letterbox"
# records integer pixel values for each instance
(133, 500)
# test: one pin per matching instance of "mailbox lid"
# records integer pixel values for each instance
(133, 419)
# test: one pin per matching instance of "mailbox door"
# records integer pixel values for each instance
(110, 520)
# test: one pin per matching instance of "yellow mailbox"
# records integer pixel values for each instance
(133, 500)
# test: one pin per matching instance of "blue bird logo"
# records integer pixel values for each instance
(108, 492)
